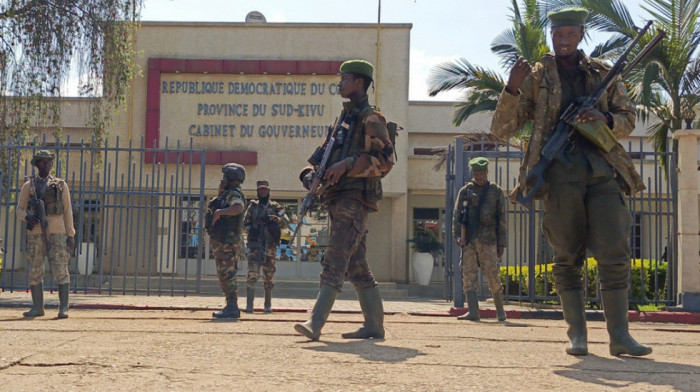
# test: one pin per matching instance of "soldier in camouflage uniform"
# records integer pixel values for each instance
(54, 239)
(584, 204)
(480, 207)
(225, 226)
(351, 189)
(264, 221)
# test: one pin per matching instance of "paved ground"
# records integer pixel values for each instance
(184, 350)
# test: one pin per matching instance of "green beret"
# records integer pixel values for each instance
(568, 17)
(361, 67)
(263, 184)
(41, 154)
(479, 164)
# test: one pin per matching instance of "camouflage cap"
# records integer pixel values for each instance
(568, 17)
(41, 154)
(360, 67)
(479, 164)
(233, 171)
(263, 184)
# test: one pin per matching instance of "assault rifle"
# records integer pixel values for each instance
(560, 141)
(39, 211)
(320, 160)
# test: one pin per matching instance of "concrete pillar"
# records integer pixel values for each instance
(688, 226)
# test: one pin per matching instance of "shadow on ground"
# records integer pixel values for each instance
(626, 371)
(371, 350)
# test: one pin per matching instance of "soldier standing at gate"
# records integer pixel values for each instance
(44, 204)
(479, 227)
(264, 221)
(351, 188)
(224, 224)
(584, 205)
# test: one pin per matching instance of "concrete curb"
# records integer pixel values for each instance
(536, 314)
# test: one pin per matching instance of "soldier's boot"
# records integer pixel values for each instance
(268, 299)
(324, 303)
(63, 291)
(573, 305)
(473, 304)
(498, 302)
(249, 298)
(37, 301)
(615, 306)
(230, 310)
(373, 311)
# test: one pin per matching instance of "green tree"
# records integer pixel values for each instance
(527, 38)
(43, 41)
(668, 81)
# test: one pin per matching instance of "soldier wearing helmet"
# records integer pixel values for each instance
(224, 224)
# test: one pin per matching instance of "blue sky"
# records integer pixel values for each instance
(442, 29)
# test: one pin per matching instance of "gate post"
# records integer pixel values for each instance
(459, 183)
(688, 227)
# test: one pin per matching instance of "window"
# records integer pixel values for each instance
(191, 227)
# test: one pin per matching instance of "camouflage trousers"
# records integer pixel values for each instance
(485, 256)
(226, 257)
(346, 256)
(268, 267)
(58, 258)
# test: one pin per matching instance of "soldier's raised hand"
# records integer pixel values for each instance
(518, 73)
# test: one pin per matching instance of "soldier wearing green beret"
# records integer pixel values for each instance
(351, 189)
(583, 203)
(479, 227)
(44, 204)
(264, 221)
(224, 224)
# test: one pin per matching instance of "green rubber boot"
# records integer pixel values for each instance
(473, 304)
(324, 303)
(63, 291)
(373, 311)
(249, 298)
(268, 299)
(37, 301)
(615, 306)
(498, 302)
(574, 309)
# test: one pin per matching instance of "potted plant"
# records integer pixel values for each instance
(426, 246)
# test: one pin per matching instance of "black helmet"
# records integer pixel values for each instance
(233, 172)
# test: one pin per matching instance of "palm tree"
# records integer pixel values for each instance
(482, 86)
(668, 82)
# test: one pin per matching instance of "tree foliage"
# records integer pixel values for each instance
(44, 43)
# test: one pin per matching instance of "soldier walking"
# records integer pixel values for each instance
(44, 204)
(351, 189)
(224, 224)
(479, 226)
(584, 206)
(264, 221)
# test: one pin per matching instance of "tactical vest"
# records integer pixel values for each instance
(371, 187)
(228, 228)
(53, 196)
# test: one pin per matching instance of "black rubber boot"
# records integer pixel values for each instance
(498, 302)
(37, 301)
(250, 297)
(615, 306)
(268, 299)
(473, 306)
(573, 306)
(230, 310)
(373, 311)
(63, 291)
(324, 303)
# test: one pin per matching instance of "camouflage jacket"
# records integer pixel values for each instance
(370, 157)
(491, 227)
(539, 101)
(231, 226)
(256, 211)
